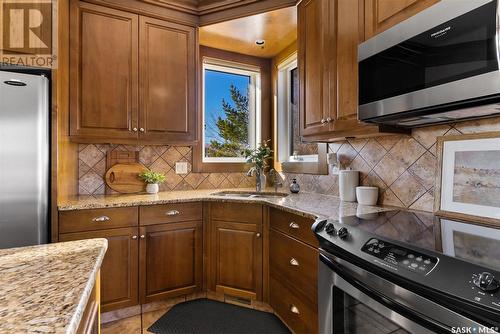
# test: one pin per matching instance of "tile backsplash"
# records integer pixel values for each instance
(92, 168)
(403, 167)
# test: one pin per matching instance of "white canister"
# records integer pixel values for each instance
(367, 195)
(152, 188)
(348, 181)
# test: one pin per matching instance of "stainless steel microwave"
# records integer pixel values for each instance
(439, 66)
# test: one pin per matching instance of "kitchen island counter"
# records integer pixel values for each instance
(46, 288)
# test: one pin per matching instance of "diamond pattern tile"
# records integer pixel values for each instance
(91, 155)
(408, 189)
(407, 151)
(373, 152)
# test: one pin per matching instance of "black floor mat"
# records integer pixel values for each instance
(209, 316)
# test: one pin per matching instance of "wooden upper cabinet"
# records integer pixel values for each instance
(380, 15)
(311, 52)
(167, 81)
(103, 70)
(329, 32)
(133, 78)
(170, 260)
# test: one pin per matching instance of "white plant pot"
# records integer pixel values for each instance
(152, 188)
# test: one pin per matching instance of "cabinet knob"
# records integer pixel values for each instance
(134, 237)
(172, 213)
(134, 129)
(101, 219)
(323, 121)
(142, 236)
(294, 309)
(141, 129)
(329, 119)
(257, 235)
(294, 225)
(294, 262)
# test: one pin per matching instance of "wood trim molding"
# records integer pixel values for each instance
(265, 67)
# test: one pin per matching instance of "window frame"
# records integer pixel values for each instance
(307, 164)
(255, 101)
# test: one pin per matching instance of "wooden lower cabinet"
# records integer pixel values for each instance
(90, 322)
(237, 259)
(119, 270)
(171, 260)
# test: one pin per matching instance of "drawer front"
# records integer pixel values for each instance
(297, 313)
(294, 262)
(236, 212)
(97, 219)
(170, 213)
(294, 225)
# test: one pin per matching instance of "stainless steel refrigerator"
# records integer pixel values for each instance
(24, 159)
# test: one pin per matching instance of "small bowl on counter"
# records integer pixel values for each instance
(367, 195)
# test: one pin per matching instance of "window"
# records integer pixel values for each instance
(291, 148)
(231, 110)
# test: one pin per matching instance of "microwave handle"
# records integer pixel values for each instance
(383, 299)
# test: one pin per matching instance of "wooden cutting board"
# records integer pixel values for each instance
(124, 178)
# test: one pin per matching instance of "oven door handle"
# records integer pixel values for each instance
(383, 299)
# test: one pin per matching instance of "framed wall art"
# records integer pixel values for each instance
(468, 178)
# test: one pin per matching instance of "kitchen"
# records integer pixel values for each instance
(257, 166)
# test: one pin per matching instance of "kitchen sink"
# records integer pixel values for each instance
(250, 194)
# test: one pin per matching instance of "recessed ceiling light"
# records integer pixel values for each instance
(260, 42)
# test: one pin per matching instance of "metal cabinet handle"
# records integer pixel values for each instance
(134, 129)
(101, 219)
(172, 213)
(141, 129)
(323, 121)
(257, 235)
(142, 236)
(329, 119)
(134, 237)
(294, 225)
(294, 309)
(294, 262)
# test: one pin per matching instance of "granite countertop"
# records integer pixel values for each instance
(311, 205)
(45, 288)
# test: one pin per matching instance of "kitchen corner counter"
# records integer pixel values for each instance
(45, 288)
(311, 205)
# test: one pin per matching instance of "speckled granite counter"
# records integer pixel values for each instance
(45, 289)
(307, 204)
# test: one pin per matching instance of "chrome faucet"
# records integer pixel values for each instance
(260, 178)
(277, 180)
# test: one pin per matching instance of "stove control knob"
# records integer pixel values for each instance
(329, 228)
(343, 232)
(486, 282)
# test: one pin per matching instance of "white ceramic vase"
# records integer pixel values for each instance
(152, 188)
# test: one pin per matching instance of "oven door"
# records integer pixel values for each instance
(353, 300)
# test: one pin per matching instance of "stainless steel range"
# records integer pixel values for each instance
(407, 272)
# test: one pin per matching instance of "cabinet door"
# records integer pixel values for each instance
(171, 260)
(313, 74)
(167, 81)
(237, 259)
(119, 270)
(103, 72)
(380, 15)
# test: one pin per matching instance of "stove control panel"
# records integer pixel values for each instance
(400, 257)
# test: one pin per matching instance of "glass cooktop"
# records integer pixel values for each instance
(473, 243)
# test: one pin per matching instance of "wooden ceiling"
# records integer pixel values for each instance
(278, 28)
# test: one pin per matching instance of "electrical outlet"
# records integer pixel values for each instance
(181, 167)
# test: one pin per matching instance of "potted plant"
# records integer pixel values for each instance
(153, 180)
(259, 158)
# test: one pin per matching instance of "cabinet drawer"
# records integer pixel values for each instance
(298, 314)
(97, 219)
(236, 212)
(294, 262)
(294, 225)
(170, 213)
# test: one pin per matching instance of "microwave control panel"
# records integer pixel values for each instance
(400, 257)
